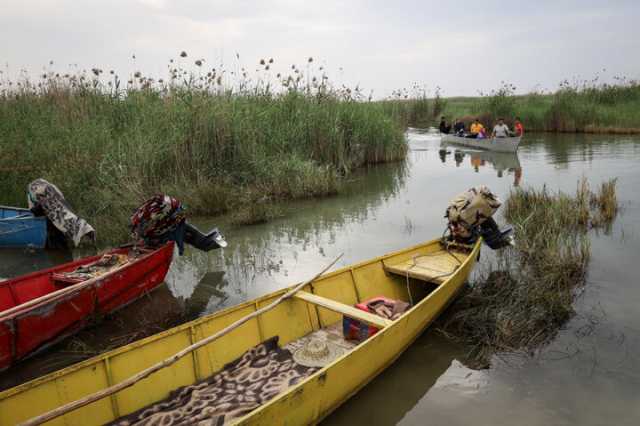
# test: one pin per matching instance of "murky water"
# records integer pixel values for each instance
(589, 374)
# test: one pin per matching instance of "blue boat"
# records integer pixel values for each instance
(20, 228)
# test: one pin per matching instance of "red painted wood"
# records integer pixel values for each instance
(45, 325)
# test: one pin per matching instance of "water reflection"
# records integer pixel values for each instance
(16, 262)
(396, 391)
(501, 162)
(265, 257)
(392, 206)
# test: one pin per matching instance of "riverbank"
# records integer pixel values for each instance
(574, 108)
(217, 150)
(527, 294)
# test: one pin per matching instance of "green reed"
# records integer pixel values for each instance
(526, 294)
(587, 106)
(215, 142)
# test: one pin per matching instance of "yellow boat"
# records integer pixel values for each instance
(429, 275)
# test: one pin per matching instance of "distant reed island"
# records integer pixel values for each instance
(578, 107)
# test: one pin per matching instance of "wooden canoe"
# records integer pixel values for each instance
(41, 308)
(490, 144)
(20, 228)
(429, 274)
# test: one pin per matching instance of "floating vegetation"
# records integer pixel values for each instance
(256, 213)
(526, 295)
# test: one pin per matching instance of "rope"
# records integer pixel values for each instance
(413, 259)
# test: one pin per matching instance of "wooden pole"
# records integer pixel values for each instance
(50, 415)
(53, 296)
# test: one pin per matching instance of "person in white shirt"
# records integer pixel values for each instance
(500, 130)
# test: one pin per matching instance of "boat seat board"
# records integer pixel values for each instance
(341, 308)
(433, 267)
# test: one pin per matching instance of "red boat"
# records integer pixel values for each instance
(41, 308)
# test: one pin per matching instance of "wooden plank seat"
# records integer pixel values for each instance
(341, 308)
(433, 267)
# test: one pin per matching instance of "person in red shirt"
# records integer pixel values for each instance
(518, 127)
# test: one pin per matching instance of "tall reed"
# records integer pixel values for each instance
(218, 143)
(586, 106)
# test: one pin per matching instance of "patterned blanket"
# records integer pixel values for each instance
(45, 197)
(257, 376)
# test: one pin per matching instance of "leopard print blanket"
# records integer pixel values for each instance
(257, 376)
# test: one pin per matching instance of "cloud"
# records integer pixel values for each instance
(462, 47)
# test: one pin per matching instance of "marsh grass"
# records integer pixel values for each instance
(256, 213)
(580, 106)
(216, 142)
(526, 295)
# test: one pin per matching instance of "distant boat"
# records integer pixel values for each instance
(41, 308)
(428, 275)
(491, 144)
(20, 228)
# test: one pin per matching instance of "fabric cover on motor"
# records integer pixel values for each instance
(45, 198)
(470, 209)
(157, 217)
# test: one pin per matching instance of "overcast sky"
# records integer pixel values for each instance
(463, 47)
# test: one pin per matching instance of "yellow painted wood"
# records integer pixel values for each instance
(344, 309)
(339, 287)
(307, 402)
(433, 267)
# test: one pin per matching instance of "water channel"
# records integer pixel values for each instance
(588, 375)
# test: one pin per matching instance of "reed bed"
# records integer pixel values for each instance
(215, 139)
(526, 295)
(580, 106)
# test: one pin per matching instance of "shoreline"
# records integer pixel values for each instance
(592, 130)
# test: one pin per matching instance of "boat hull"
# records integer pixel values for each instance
(307, 402)
(490, 144)
(20, 228)
(38, 328)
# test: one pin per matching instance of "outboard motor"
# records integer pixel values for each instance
(470, 216)
(205, 242)
(162, 218)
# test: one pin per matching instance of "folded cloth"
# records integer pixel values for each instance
(47, 198)
(386, 308)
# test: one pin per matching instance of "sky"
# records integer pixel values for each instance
(463, 47)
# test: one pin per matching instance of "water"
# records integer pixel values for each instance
(588, 375)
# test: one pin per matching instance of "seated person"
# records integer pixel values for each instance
(500, 130)
(458, 127)
(444, 128)
(475, 128)
(482, 134)
(519, 129)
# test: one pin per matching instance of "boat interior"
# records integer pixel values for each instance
(315, 312)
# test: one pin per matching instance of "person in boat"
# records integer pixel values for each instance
(162, 218)
(475, 128)
(500, 130)
(458, 127)
(444, 127)
(518, 127)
